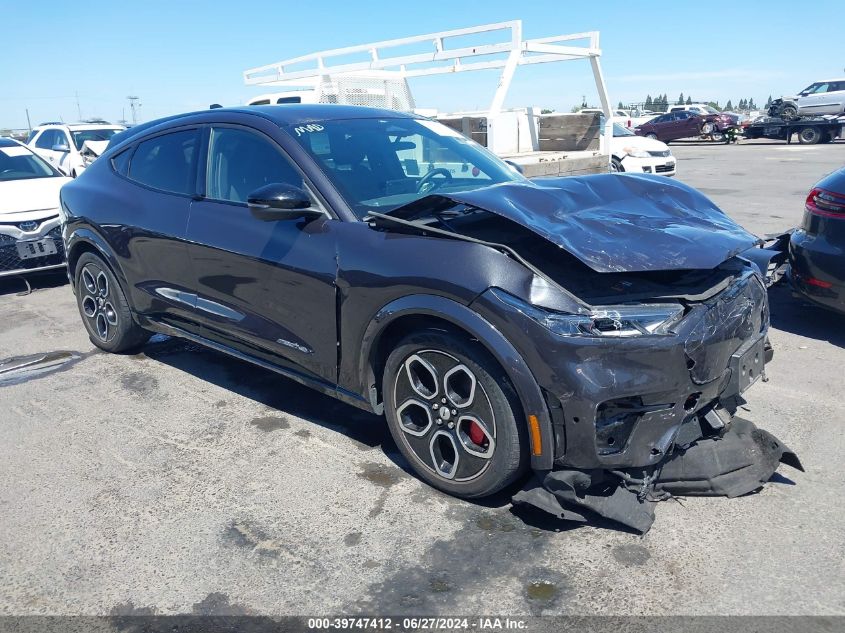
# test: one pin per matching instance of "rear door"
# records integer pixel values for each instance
(266, 288)
(154, 208)
(668, 127)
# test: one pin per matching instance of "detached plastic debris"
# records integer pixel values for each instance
(735, 463)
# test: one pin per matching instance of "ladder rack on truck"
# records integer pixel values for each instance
(810, 130)
(376, 74)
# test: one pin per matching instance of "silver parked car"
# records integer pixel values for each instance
(821, 97)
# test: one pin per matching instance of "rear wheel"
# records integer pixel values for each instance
(616, 165)
(103, 307)
(453, 414)
(810, 135)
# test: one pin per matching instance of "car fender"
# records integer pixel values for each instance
(82, 238)
(517, 370)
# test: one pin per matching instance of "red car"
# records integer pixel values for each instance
(683, 124)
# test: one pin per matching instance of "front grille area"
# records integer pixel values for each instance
(738, 315)
(9, 259)
(662, 169)
(661, 154)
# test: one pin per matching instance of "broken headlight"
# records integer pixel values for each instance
(647, 319)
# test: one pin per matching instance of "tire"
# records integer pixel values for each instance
(616, 165)
(789, 112)
(810, 135)
(454, 415)
(707, 128)
(652, 135)
(827, 137)
(103, 307)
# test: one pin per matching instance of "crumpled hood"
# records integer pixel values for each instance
(95, 147)
(615, 222)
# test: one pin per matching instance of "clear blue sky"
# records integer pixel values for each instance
(184, 54)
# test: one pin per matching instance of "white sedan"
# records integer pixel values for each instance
(639, 155)
(30, 236)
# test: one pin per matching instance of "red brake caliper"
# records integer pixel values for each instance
(476, 434)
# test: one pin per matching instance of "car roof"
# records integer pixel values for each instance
(283, 115)
(296, 113)
(80, 126)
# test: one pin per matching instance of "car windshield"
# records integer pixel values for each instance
(102, 134)
(382, 164)
(18, 163)
(618, 130)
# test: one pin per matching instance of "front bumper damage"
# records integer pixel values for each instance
(683, 440)
(732, 462)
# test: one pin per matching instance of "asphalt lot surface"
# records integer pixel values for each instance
(180, 481)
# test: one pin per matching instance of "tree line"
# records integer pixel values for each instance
(660, 103)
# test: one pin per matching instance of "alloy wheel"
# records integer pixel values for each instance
(445, 415)
(97, 303)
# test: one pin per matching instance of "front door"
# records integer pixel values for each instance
(689, 123)
(264, 287)
(44, 147)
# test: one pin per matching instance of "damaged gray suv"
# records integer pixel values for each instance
(599, 330)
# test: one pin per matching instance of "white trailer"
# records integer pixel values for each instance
(377, 74)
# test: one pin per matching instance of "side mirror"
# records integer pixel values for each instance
(515, 166)
(278, 201)
(61, 148)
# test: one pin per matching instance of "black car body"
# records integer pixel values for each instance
(612, 309)
(817, 248)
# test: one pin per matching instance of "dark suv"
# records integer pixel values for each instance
(388, 261)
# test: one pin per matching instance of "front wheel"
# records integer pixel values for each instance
(454, 415)
(652, 136)
(103, 307)
(616, 166)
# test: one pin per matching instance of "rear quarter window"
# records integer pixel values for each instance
(167, 162)
(120, 162)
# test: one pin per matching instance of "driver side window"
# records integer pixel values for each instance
(240, 161)
(46, 140)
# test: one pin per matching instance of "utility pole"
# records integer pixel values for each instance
(78, 109)
(28, 122)
(133, 105)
